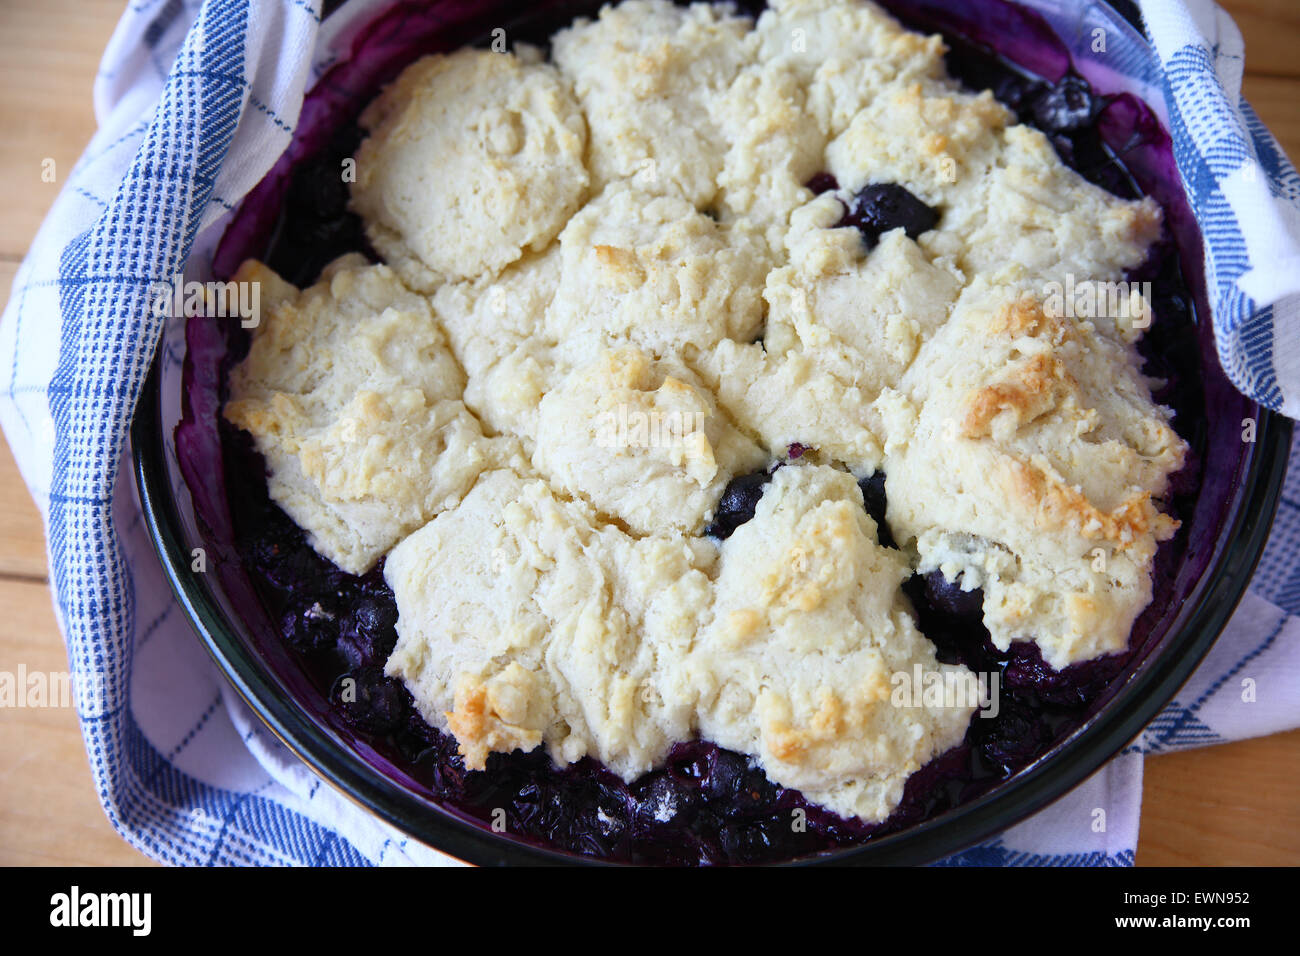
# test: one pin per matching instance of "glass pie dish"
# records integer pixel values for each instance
(189, 480)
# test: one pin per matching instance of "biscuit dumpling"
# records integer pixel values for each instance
(811, 638)
(651, 77)
(471, 159)
(353, 397)
(1026, 457)
(525, 622)
(641, 440)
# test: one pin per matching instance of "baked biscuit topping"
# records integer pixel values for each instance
(642, 440)
(472, 137)
(654, 271)
(649, 76)
(354, 399)
(809, 635)
(1024, 456)
(526, 618)
(614, 315)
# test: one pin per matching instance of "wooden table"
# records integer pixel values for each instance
(1234, 804)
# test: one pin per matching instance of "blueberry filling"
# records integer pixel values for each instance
(707, 805)
(822, 183)
(370, 701)
(873, 499)
(949, 597)
(658, 799)
(1016, 737)
(1065, 107)
(737, 504)
(1066, 111)
(311, 629)
(880, 207)
(370, 633)
(315, 226)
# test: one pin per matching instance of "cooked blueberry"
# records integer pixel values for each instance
(541, 809)
(319, 191)
(608, 813)
(739, 499)
(288, 563)
(366, 648)
(948, 597)
(796, 450)
(375, 614)
(873, 498)
(754, 793)
(1064, 147)
(1085, 151)
(936, 786)
(822, 183)
(659, 800)
(880, 207)
(420, 742)
(1066, 107)
(369, 700)
(440, 768)
(757, 842)
(1170, 308)
(532, 801)
(313, 628)
(265, 551)
(322, 232)
(1015, 736)
(483, 789)
(726, 777)
(370, 635)
(751, 8)
(688, 763)
(1016, 92)
(978, 70)
(1072, 687)
(315, 226)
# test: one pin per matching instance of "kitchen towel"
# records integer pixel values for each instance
(195, 100)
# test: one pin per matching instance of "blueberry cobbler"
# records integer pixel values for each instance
(694, 392)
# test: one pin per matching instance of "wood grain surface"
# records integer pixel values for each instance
(1228, 805)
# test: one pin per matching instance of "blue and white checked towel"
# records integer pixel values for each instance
(195, 100)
